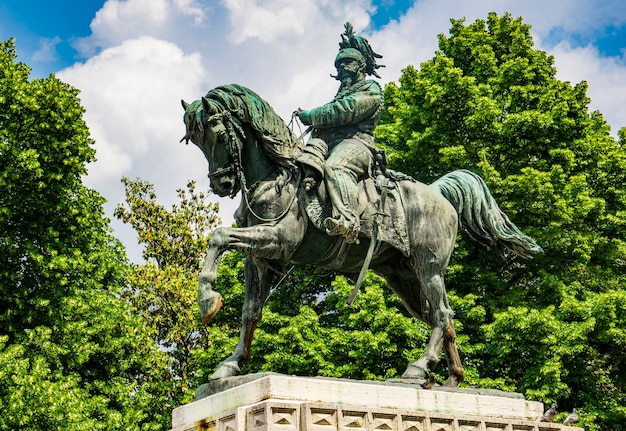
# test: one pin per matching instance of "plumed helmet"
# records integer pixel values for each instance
(351, 53)
(358, 48)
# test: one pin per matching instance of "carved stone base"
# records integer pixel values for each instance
(274, 402)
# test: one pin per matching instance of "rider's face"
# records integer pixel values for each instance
(348, 68)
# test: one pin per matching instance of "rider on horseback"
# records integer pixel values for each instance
(344, 130)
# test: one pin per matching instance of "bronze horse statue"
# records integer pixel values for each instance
(249, 148)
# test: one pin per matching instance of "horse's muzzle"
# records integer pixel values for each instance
(223, 186)
(223, 182)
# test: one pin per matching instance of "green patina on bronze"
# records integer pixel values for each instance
(284, 219)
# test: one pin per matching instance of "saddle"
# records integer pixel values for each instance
(393, 230)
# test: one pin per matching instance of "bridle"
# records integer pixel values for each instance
(233, 148)
(235, 137)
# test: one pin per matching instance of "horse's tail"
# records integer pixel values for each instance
(481, 216)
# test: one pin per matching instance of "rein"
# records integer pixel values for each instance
(263, 219)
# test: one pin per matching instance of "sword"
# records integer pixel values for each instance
(378, 219)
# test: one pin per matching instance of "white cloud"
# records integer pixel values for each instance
(605, 77)
(47, 49)
(266, 22)
(121, 20)
(271, 19)
(192, 9)
(132, 94)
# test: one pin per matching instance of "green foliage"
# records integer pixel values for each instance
(79, 329)
(552, 328)
(72, 356)
(320, 335)
(177, 237)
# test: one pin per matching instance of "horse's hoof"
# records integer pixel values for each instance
(226, 370)
(415, 372)
(209, 306)
(452, 382)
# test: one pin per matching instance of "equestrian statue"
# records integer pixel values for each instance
(333, 204)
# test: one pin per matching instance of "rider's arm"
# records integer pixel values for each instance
(350, 109)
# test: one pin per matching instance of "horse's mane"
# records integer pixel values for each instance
(279, 142)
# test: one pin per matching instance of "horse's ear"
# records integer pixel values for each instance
(185, 104)
(209, 109)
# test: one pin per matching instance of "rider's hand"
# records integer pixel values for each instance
(303, 115)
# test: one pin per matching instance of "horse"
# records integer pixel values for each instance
(250, 149)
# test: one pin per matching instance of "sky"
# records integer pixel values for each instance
(134, 60)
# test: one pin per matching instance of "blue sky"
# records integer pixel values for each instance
(36, 24)
(133, 61)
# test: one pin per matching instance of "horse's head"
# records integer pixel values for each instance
(211, 129)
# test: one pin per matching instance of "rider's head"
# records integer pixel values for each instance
(357, 51)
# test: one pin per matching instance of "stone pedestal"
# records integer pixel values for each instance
(274, 402)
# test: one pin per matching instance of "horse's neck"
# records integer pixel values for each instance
(256, 164)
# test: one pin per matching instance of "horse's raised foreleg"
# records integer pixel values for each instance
(209, 300)
(271, 242)
(258, 280)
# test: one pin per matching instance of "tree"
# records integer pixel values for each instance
(163, 289)
(552, 328)
(72, 356)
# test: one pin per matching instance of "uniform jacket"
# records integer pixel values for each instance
(354, 112)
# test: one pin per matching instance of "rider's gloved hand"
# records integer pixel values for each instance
(303, 116)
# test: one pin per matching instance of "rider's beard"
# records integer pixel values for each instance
(347, 78)
(346, 81)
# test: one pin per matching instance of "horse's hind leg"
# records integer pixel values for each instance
(408, 287)
(258, 279)
(437, 312)
(424, 296)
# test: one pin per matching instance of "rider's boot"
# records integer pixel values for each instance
(341, 186)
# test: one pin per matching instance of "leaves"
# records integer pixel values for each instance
(372, 339)
(176, 237)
